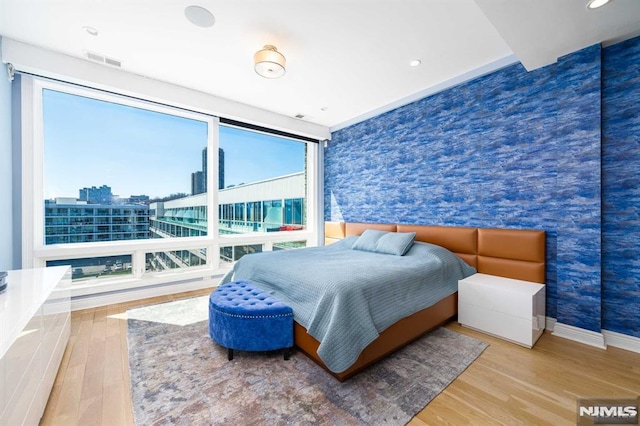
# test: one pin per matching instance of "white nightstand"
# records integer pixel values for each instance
(504, 307)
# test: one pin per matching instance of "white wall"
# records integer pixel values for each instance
(6, 206)
(56, 65)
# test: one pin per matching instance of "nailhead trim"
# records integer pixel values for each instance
(290, 314)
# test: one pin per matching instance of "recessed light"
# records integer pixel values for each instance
(199, 16)
(594, 4)
(415, 62)
(90, 30)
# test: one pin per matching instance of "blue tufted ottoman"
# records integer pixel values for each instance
(246, 318)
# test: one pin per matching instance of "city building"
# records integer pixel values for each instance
(199, 178)
(93, 195)
(270, 205)
(264, 206)
(198, 183)
(139, 199)
(220, 168)
(71, 221)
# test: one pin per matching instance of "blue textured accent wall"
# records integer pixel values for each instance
(621, 188)
(577, 197)
(513, 149)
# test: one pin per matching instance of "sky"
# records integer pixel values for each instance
(88, 143)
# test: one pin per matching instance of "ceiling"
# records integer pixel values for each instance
(346, 59)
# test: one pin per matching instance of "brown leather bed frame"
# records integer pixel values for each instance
(510, 253)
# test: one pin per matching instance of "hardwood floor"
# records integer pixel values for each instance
(92, 385)
(508, 384)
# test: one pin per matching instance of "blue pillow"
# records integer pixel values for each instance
(384, 242)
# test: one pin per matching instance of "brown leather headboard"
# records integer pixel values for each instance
(461, 241)
(333, 231)
(359, 228)
(511, 253)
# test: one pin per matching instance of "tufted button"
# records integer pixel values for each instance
(242, 298)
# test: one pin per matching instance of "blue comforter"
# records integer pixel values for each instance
(346, 297)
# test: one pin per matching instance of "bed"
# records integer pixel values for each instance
(294, 277)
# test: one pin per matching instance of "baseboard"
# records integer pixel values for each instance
(599, 340)
(110, 298)
(550, 324)
(581, 335)
(622, 341)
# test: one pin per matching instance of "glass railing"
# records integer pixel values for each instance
(87, 269)
(175, 259)
(243, 226)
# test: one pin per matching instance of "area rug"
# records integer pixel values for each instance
(180, 377)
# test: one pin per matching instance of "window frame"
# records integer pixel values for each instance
(35, 251)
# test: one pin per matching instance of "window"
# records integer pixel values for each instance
(129, 192)
(294, 211)
(175, 259)
(261, 174)
(86, 269)
(110, 163)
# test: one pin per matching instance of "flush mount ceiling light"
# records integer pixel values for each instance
(269, 63)
(594, 4)
(199, 16)
(415, 62)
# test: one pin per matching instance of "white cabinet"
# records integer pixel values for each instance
(35, 325)
(504, 307)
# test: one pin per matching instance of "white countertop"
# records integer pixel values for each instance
(27, 290)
